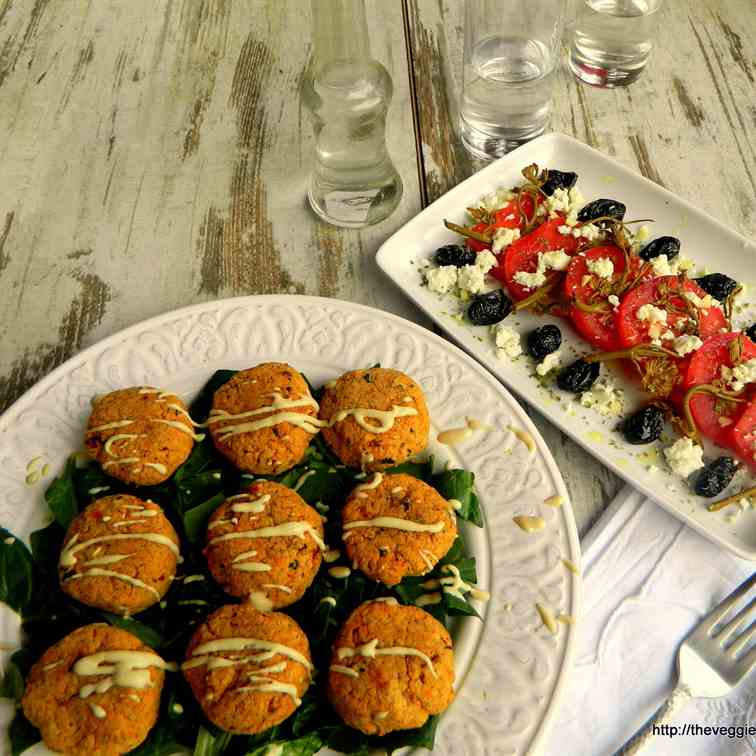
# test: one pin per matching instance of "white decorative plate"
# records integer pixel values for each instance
(706, 241)
(511, 671)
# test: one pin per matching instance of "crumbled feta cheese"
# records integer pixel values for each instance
(654, 316)
(496, 200)
(530, 280)
(550, 362)
(642, 234)
(486, 260)
(737, 377)
(660, 266)
(558, 202)
(503, 237)
(442, 280)
(556, 260)
(576, 199)
(508, 343)
(564, 230)
(603, 267)
(702, 303)
(604, 397)
(471, 279)
(589, 231)
(684, 344)
(613, 300)
(684, 457)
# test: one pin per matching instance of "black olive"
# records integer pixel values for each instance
(544, 340)
(718, 285)
(601, 208)
(578, 377)
(489, 308)
(715, 477)
(454, 254)
(644, 426)
(751, 333)
(664, 245)
(558, 180)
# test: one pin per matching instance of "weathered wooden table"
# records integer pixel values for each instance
(153, 153)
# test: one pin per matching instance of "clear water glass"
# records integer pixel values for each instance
(610, 40)
(511, 52)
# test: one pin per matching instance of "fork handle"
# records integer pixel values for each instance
(663, 715)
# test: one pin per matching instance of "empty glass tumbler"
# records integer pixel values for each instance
(610, 40)
(511, 52)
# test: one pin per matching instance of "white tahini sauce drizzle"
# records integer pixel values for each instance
(328, 600)
(385, 418)
(528, 523)
(457, 587)
(375, 481)
(302, 478)
(426, 599)
(255, 506)
(115, 438)
(298, 528)
(68, 555)
(202, 654)
(299, 419)
(52, 665)
(249, 566)
(331, 555)
(109, 559)
(178, 425)
(260, 601)
(110, 426)
(124, 669)
(99, 572)
(340, 573)
(371, 650)
(158, 467)
(428, 558)
(397, 523)
(277, 587)
(98, 711)
(122, 461)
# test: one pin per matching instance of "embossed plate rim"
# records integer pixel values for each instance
(565, 526)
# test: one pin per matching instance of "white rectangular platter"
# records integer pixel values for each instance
(710, 244)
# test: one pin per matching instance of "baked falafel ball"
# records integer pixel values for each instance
(139, 435)
(263, 418)
(377, 418)
(119, 555)
(391, 667)
(75, 717)
(420, 530)
(248, 669)
(265, 545)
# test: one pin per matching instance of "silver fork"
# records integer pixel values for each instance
(706, 667)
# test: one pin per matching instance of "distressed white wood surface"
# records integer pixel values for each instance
(688, 123)
(154, 154)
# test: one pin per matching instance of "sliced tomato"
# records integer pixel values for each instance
(506, 217)
(522, 255)
(715, 419)
(664, 292)
(599, 328)
(743, 435)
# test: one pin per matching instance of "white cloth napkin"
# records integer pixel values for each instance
(647, 581)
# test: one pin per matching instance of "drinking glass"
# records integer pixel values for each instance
(610, 40)
(511, 51)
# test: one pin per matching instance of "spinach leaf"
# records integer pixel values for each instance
(202, 457)
(460, 485)
(16, 572)
(15, 674)
(422, 470)
(211, 743)
(195, 519)
(422, 737)
(46, 544)
(145, 633)
(200, 407)
(307, 745)
(160, 742)
(61, 497)
(22, 734)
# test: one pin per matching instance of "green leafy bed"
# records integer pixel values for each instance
(29, 584)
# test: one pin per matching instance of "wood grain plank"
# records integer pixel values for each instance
(686, 124)
(155, 159)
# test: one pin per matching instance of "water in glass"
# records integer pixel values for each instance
(507, 93)
(611, 40)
